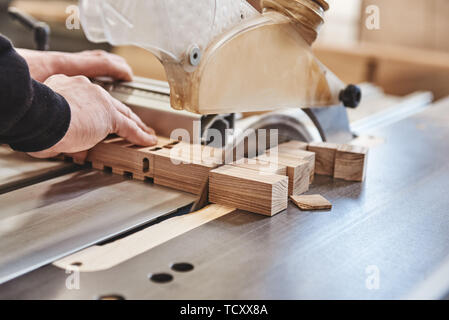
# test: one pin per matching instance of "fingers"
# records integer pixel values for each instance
(100, 63)
(44, 154)
(127, 112)
(130, 130)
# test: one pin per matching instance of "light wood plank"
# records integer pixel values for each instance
(97, 258)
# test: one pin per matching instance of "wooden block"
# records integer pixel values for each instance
(118, 171)
(170, 163)
(296, 149)
(261, 166)
(123, 156)
(324, 157)
(189, 175)
(248, 190)
(298, 171)
(294, 144)
(311, 202)
(350, 163)
(97, 165)
(196, 152)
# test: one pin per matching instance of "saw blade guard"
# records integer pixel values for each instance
(166, 28)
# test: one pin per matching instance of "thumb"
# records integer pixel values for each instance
(130, 130)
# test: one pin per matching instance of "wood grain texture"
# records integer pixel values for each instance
(181, 173)
(170, 163)
(196, 152)
(261, 166)
(294, 144)
(298, 171)
(311, 202)
(121, 156)
(397, 69)
(299, 151)
(350, 163)
(324, 157)
(248, 190)
(124, 157)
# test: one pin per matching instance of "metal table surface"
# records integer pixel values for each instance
(51, 219)
(18, 170)
(396, 222)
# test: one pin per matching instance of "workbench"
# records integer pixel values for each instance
(395, 223)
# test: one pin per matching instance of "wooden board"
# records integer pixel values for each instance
(170, 163)
(398, 70)
(298, 171)
(106, 256)
(311, 202)
(422, 26)
(350, 163)
(324, 157)
(124, 157)
(248, 190)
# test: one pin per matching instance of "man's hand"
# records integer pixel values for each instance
(87, 63)
(94, 115)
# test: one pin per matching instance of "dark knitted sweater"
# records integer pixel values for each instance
(32, 116)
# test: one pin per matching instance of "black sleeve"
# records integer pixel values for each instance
(32, 116)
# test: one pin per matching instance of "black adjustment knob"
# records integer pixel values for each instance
(351, 96)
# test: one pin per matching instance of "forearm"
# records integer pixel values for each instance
(91, 64)
(42, 65)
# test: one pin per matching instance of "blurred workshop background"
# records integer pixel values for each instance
(405, 50)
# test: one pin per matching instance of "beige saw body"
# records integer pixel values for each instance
(264, 64)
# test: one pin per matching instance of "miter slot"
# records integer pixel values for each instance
(175, 213)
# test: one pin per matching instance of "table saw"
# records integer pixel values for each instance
(72, 232)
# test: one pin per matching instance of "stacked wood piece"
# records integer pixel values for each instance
(298, 171)
(347, 162)
(248, 189)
